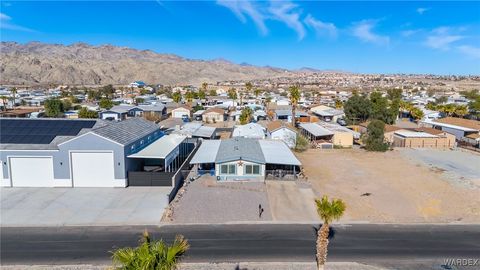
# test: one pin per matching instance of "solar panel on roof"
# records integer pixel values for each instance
(39, 131)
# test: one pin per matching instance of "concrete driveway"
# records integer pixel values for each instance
(82, 206)
(290, 202)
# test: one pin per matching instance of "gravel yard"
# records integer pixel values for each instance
(461, 167)
(208, 201)
(405, 186)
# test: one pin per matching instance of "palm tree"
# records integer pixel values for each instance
(232, 94)
(248, 87)
(328, 212)
(294, 98)
(14, 93)
(257, 92)
(461, 110)
(204, 86)
(176, 97)
(150, 254)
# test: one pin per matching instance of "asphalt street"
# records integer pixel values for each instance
(242, 243)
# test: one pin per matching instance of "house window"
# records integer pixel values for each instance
(228, 169)
(252, 169)
(141, 142)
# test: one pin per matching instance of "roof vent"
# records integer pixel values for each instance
(235, 148)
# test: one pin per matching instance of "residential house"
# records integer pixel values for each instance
(214, 115)
(279, 130)
(326, 113)
(423, 138)
(250, 130)
(246, 159)
(181, 111)
(459, 127)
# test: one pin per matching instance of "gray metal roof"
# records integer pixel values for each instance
(254, 150)
(127, 131)
(207, 152)
(240, 149)
(315, 129)
(250, 130)
(277, 152)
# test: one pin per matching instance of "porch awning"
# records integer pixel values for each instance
(160, 148)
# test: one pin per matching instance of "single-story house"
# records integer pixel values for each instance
(181, 111)
(197, 116)
(459, 127)
(250, 130)
(121, 112)
(342, 136)
(87, 153)
(279, 130)
(423, 138)
(246, 159)
(315, 133)
(213, 115)
(326, 113)
(196, 130)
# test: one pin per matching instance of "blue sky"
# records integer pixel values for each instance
(368, 37)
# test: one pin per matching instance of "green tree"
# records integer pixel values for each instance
(416, 113)
(105, 103)
(201, 94)
(212, 93)
(246, 116)
(257, 92)
(431, 106)
(328, 211)
(139, 101)
(189, 96)
(248, 87)
(53, 107)
(14, 95)
(471, 95)
(108, 90)
(198, 107)
(375, 140)
(67, 104)
(302, 143)
(86, 113)
(151, 255)
(294, 92)
(394, 93)
(232, 94)
(475, 105)
(357, 109)
(461, 110)
(379, 107)
(177, 97)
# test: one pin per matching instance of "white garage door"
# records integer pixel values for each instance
(31, 171)
(92, 169)
(179, 114)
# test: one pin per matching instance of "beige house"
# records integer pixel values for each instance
(213, 115)
(423, 138)
(180, 111)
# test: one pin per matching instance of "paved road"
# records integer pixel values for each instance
(233, 243)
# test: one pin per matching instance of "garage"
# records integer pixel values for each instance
(31, 171)
(92, 169)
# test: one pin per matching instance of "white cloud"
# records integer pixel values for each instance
(441, 38)
(409, 33)
(422, 10)
(246, 8)
(363, 30)
(287, 13)
(321, 27)
(5, 23)
(471, 51)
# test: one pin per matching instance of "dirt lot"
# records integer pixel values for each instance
(397, 186)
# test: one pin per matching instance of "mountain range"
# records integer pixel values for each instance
(36, 63)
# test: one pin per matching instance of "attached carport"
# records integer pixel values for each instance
(156, 164)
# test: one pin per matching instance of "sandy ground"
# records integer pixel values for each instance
(393, 186)
(291, 201)
(209, 201)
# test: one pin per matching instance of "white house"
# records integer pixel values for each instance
(279, 130)
(250, 130)
(180, 111)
